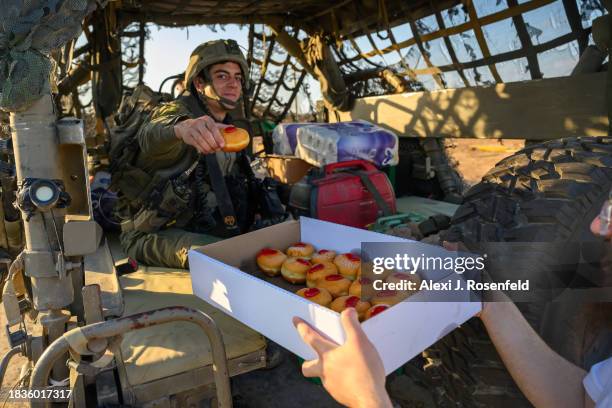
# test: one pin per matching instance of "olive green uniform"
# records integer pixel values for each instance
(161, 149)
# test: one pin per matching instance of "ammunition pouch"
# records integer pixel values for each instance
(134, 184)
(238, 188)
(164, 206)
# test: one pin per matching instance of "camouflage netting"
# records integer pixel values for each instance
(381, 47)
(29, 31)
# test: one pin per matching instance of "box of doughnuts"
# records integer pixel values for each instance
(312, 269)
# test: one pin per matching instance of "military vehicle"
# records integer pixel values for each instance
(432, 70)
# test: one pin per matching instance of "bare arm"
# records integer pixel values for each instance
(546, 378)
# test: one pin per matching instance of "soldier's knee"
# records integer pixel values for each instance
(131, 243)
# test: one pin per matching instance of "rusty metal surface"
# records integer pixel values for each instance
(138, 321)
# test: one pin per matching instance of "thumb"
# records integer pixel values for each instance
(223, 125)
(351, 325)
(311, 368)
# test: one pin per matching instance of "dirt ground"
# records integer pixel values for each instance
(477, 156)
(474, 157)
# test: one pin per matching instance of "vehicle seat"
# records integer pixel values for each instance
(168, 349)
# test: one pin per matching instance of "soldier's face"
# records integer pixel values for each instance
(227, 80)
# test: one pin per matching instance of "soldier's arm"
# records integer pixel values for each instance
(157, 137)
(171, 128)
(203, 133)
(546, 378)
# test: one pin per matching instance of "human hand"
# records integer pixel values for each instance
(352, 373)
(489, 297)
(203, 133)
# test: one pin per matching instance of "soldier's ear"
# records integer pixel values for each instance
(199, 83)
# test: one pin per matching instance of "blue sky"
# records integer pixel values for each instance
(167, 51)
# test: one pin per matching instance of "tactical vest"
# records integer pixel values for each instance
(154, 200)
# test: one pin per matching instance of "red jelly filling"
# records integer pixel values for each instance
(333, 277)
(312, 292)
(351, 301)
(299, 244)
(378, 309)
(323, 251)
(315, 268)
(229, 129)
(353, 257)
(303, 262)
(267, 251)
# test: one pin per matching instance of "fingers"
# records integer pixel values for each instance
(215, 130)
(450, 246)
(601, 228)
(351, 325)
(200, 143)
(205, 126)
(203, 133)
(313, 338)
(312, 368)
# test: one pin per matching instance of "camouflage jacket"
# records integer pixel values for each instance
(159, 146)
(160, 149)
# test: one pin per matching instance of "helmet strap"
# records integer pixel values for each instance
(211, 93)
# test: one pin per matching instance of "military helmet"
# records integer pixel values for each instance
(214, 52)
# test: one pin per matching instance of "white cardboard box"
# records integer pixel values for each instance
(399, 334)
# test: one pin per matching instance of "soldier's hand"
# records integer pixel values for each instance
(203, 133)
(353, 372)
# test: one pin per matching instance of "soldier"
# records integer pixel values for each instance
(201, 192)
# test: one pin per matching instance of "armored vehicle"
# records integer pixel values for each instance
(428, 71)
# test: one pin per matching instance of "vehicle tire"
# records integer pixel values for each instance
(546, 193)
(412, 170)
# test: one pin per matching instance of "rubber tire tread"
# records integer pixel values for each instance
(546, 192)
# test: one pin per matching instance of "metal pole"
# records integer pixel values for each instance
(111, 328)
(36, 149)
(141, 52)
(5, 361)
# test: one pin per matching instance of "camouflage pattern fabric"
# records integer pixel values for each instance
(167, 247)
(29, 31)
(161, 149)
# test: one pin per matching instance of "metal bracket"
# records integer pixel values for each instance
(87, 369)
(423, 171)
(41, 194)
(17, 337)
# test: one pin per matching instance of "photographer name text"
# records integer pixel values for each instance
(451, 285)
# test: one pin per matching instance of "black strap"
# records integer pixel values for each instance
(224, 201)
(217, 180)
(365, 180)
